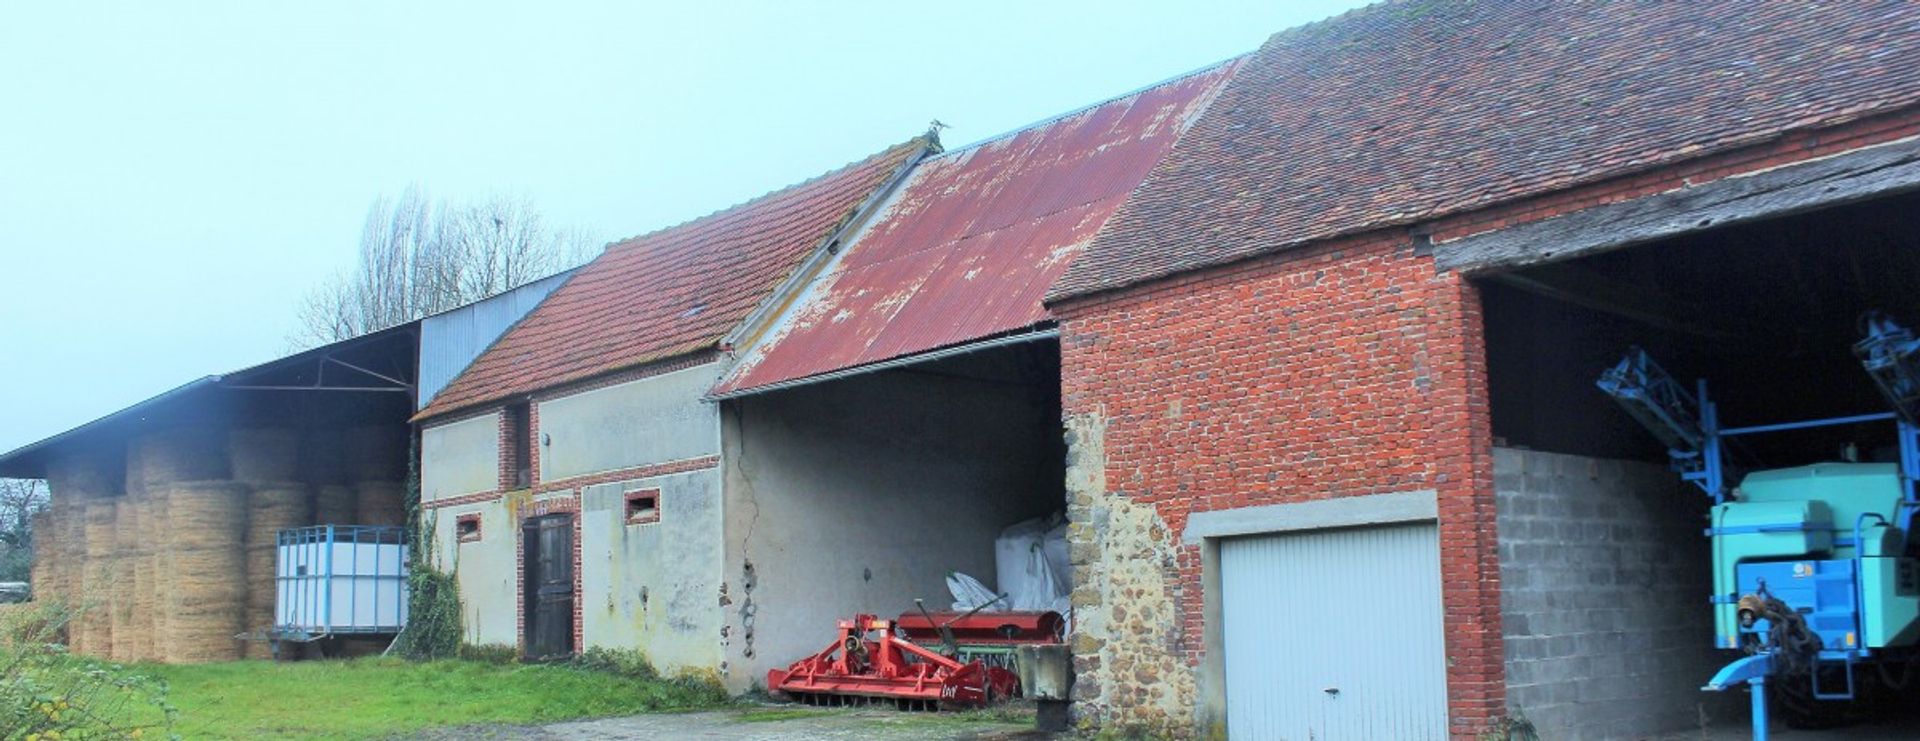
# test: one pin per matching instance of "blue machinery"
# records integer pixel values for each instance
(1814, 572)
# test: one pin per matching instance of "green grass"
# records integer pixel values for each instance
(376, 697)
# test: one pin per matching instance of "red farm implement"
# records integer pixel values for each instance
(867, 662)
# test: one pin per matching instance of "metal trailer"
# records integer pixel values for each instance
(1814, 570)
(339, 581)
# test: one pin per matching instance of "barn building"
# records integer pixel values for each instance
(1303, 345)
(162, 516)
(1338, 466)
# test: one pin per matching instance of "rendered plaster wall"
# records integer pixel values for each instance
(484, 568)
(460, 458)
(652, 420)
(860, 495)
(654, 585)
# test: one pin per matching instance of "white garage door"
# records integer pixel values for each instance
(1334, 634)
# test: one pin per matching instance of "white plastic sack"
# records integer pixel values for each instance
(1031, 560)
(968, 592)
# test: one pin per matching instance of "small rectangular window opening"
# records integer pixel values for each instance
(643, 505)
(466, 528)
(520, 417)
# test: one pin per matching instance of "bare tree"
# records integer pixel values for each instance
(419, 257)
(20, 500)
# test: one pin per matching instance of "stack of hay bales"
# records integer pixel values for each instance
(144, 622)
(203, 580)
(199, 521)
(74, 480)
(335, 504)
(92, 629)
(380, 503)
(376, 453)
(131, 641)
(41, 573)
(275, 507)
(168, 545)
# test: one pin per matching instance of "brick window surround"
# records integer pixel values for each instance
(466, 528)
(643, 506)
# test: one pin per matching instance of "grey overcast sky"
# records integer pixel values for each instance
(174, 176)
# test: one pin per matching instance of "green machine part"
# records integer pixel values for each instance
(1809, 512)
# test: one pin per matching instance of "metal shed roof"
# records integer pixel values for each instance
(349, 360)
(968, 246)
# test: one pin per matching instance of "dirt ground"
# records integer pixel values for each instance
(764, 724)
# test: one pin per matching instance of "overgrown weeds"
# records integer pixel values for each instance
(47, 693)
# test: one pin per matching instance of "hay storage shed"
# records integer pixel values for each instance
(163, 515)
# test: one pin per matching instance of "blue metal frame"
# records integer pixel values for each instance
(316, 544)
(1689, 425)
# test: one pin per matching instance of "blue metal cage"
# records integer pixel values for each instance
(341, 580)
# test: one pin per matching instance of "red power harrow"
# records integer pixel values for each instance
(868, 662)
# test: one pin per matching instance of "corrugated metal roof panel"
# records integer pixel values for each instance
(969, 245)
(452, 339)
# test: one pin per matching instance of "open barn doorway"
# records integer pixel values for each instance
(1606, 575)
(869, 493)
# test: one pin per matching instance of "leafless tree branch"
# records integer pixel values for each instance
(418, 257)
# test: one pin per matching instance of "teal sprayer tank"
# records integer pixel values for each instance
(1815, 575)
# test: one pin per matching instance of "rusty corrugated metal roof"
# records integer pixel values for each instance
(971, 242)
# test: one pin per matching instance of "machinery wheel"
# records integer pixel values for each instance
(1793, 703)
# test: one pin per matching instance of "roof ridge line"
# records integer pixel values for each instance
(1195, 72)
(763, 196)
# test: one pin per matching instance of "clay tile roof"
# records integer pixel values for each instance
(1403, 111)
(969, 243)
(670, 292)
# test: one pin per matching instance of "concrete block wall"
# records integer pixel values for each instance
(1604, 579)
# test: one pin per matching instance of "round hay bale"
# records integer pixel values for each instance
(262, 584)
(129, 527)
(84, 475)
(120, 601)
(93, 626)
(159, 588)
(381, 503)
(74, 525)
(178, 455)
(142, 623)
(40, 575)
(275, 507)
(258, 619)
(206, 604)
(376, 452)
(102, 517)
(264, 455)
(323, 457)
(205, 514)
(335, 505)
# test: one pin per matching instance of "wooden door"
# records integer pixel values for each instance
(549, 586)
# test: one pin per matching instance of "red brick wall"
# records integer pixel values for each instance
(1347, 370)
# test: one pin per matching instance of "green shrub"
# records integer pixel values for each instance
(702, 689)
(434, 629)
(46, 692)
(433, 616)
(624, 662)
(489, 653)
